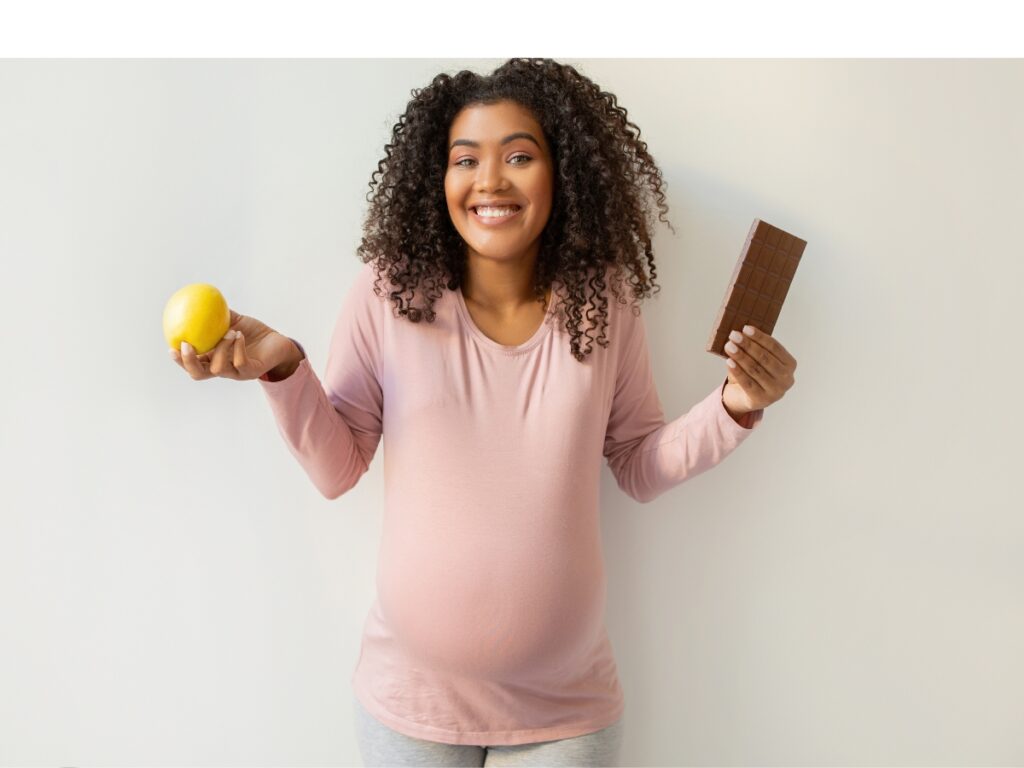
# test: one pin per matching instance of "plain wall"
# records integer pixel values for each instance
(846, 588)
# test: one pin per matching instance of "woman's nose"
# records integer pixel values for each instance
(490, 175)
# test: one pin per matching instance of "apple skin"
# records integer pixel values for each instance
(196, 313)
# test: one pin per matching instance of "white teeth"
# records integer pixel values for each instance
(496, 212)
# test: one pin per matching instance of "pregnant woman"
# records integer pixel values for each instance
(508, 232)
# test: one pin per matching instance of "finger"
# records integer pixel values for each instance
(235, 317)
(176, 357)
(191, 363)
(758, 353)
(749, 372)
(745, 381)
(769, 343)
(221, 359)
(240, 359)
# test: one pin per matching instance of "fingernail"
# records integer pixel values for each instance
(171, 353)
(748, 329)
(184, 347)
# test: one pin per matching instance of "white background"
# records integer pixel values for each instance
(844, 589)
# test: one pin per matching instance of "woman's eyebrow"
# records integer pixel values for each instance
(506, 140)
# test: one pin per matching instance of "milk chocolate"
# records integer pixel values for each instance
(759, 283)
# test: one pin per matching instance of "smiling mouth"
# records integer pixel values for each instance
(496, 219)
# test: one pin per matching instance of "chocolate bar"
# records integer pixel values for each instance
(759, 283)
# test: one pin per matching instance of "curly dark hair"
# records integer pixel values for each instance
(600, 209)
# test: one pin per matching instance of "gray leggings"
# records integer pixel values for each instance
(382, 746)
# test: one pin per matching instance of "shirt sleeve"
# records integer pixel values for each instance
(647, 455)
(333, 428)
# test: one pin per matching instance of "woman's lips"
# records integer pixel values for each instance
(494, 221)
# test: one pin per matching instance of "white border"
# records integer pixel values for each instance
(475, 29)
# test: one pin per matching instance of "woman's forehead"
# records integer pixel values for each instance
(493, 123)
(490, 114)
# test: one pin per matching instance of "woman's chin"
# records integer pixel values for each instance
(495, 249)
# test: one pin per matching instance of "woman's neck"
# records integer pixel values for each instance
(500, 288)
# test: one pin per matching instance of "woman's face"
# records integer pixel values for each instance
(497, 154)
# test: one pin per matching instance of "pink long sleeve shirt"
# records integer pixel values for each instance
(488, 627)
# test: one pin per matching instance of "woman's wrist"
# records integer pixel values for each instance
(743, 419)
(286, 367)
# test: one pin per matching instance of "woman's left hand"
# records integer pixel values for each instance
(763, 372)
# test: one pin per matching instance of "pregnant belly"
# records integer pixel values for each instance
(502, 607)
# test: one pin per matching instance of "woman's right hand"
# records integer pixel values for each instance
(247, 351)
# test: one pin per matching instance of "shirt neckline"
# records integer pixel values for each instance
(487, 341)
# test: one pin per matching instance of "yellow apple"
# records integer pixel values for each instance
(197, 314)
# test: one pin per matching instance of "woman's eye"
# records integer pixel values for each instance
(524, 158)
